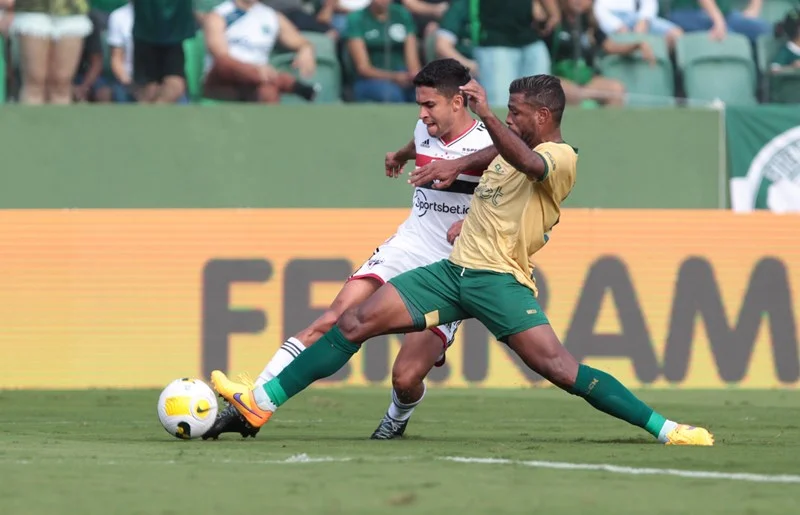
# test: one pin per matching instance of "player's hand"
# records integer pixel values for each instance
(477, 98)
(305, 62)
(394, 166)
(402, 79)
(454, 231)
(443, 171)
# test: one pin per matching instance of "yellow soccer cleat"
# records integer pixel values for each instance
(689, 435)
(241, 397)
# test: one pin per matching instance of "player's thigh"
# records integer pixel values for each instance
(354, 292)
(431, 294)
(418, 355)
(501, 303)
(541, 350)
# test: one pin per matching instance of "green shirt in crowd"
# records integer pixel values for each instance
(725, 6)
(787, 55)
(385, 40)
(506, 23)
(456, 22)
(163, 22)
(54, 7)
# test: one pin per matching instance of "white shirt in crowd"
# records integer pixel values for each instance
(604, 11)
(120, 33)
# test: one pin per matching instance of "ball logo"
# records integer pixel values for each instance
(178, 406)
(202, 409)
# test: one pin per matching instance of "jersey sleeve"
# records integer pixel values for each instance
(116, 31)
(355, 27)
(559, 162)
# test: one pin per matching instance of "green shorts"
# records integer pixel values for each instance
(443, 292)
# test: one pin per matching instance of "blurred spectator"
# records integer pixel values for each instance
(335, 12)
(295, 12)
(507, 43)
(427, 14)
(640, 16)
(6, 17)
(159, 29)
(89, 83)
(453, 37)
(574, 45)
(240, 35)
(120, 42)
(383, 44)
(50, 43)
(718, 16)
(788, 56)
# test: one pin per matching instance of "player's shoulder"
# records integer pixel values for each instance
(225, 8)
(420, 132)
(557, 151)
(121, 13)
(478, 137)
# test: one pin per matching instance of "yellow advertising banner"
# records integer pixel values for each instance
(136, 298)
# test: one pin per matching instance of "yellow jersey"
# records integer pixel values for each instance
(511, 215)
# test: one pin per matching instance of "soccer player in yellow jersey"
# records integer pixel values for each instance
(488, 275)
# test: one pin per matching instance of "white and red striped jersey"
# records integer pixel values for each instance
(434, 211)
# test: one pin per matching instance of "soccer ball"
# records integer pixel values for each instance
(187, 408)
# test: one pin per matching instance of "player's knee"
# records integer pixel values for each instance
(326, 322)
(559, 372)
(406, 378)
(352, 326)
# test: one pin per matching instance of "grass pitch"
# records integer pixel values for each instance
(105, 452)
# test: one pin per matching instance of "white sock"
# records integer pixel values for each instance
(262, 399)
(400, 411)
(287, 353)
(669, 425)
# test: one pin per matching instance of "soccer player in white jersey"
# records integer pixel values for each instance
(445, 130)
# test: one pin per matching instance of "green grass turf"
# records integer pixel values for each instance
(105, 452)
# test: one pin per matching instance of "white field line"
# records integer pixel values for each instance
(300, 459)
(633, 471)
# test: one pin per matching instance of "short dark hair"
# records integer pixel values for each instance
(544, 90)
(443, 75)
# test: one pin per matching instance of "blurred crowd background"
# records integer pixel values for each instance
(607, 52)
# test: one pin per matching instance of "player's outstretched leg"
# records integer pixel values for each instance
(383, 313)
(355, 291)
(540, 349)
(417, 356)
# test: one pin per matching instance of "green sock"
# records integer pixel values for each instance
(320, 360)
(605, 393)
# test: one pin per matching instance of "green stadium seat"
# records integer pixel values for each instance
(194, 50)
(328, 75)
(784, 88)
(2, 71)
(723, 70)
(650, 85)
(776, 10)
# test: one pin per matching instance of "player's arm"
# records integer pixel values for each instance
(395, 161)
(447, 170)
(508, 144)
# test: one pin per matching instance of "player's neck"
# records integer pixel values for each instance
(461, 126)
(553, 136)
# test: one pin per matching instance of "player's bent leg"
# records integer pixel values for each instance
(383, 313)
(429, 297)
(353, 292)
(418, 355)
(540, 349)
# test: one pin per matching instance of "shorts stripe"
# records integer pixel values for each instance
(367, 276)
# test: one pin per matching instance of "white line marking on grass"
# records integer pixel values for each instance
(634, 471)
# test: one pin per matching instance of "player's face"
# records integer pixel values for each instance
(436, 111)
(521, 117)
